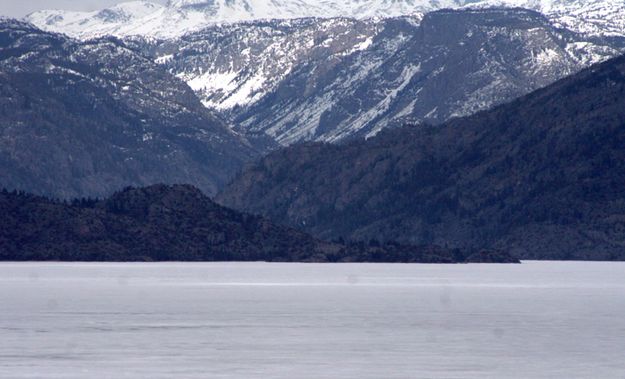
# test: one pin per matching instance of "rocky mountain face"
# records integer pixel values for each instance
(331, 79)
(87, 118)
(234, 65)
(542, 176)
(328, 80)
(178, 223)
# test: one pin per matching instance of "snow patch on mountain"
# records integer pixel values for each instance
(235, 65)
(468, 61)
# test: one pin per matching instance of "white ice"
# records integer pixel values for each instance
(302, 321)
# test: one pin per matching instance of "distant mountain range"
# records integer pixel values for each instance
(193, 91)
(542, 176)
(88, 118)
(123, 115)
(179, 17)
(335, 79)
(179, 223)
(330, 79)
(589, 17)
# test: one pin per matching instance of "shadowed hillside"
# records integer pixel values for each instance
(162, 223)
(88, 118)
(543, 177)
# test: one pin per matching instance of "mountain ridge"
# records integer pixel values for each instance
(540, 176)
(179, 223)
(335, 79)
(86, 118)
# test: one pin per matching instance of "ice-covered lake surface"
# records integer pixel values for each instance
(295, 321)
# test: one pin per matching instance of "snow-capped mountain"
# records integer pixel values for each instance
(120, 20)
(330, 79)
(178, 17)
(235, 65)
(592, 17)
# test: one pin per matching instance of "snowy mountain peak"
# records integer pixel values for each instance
(182, 16)
(128, 11)
(590, 17)
(187, 3)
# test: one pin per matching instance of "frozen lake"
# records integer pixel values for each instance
(296, 321)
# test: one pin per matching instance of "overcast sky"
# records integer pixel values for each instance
(20, 8)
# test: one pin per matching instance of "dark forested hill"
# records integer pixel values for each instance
(165, 223)
(543, 176)
(87, 118)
